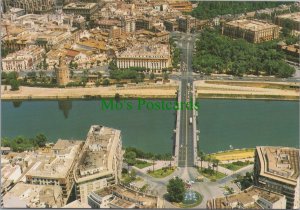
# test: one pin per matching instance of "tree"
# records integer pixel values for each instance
(166, 76)
(97, 83)
(40, 140)
(176, 190)
(3, 75)
(14, 84)
(215, 163)
(130, 158)
(106, 82)
(152, 76)
(133, 174)
(112, 65)
(202, 157)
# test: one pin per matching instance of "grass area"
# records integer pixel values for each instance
(234, 154)
(127, 178)
(142, 164)
(234, 166)
(161, 173)
(211, 175)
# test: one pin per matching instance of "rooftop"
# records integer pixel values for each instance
(33, 196)
(147, 51)
(80, 6)
(280, 163)
(59, 165)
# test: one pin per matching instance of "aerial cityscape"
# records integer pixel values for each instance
(150, 104)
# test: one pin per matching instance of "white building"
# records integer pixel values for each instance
(154, 57)
(23, 60)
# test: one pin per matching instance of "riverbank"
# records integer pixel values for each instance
(247, 90)
(138, 91)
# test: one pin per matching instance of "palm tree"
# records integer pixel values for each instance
(202, 157)
(215, 163)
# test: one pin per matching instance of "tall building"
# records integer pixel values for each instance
(251, 30)
(277, 169)
(154, 57)
(128, 24)
(100, 162)
(251, 198)
(62, 72)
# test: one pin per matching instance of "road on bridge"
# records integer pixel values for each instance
(186, 144)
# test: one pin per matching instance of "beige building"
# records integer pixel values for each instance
(181, 5)
(251, 198)
(277, 169)
(251, 30)
(56, 167)
(100, 162)
(62, 72)
(294, 18)
(154, 57)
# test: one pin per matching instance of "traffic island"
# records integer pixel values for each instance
(161, 173)
(191, 199)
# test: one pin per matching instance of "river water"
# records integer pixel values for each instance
(240, 123)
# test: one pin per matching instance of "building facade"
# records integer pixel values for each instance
(277, 169)
(154, 57)
(251, 30)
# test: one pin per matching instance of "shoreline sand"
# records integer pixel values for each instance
(205, 89)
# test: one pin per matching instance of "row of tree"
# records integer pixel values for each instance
(216, 53)
(21, 143)
(210, 9)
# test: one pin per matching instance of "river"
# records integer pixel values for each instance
(240, 123)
